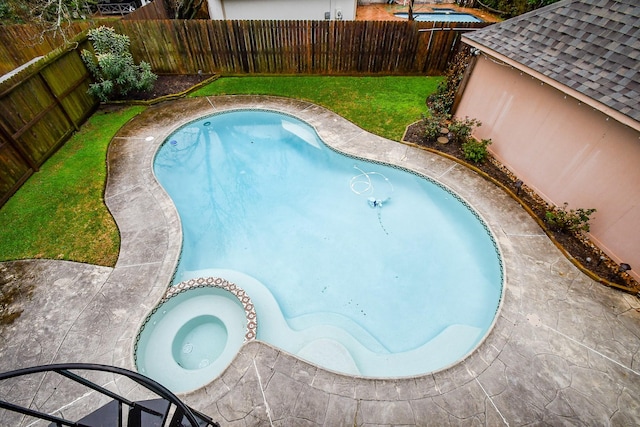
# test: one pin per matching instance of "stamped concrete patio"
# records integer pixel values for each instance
(564, 350)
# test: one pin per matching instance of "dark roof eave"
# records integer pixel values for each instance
(610, 112)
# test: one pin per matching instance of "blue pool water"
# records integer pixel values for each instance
(359, 267)
(441, 17)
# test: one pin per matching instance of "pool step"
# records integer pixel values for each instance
(139, 416)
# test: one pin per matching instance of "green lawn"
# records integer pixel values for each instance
(381, 105)
(59, 213)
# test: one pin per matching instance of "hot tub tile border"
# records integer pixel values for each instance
(209, 282)
(218, 282)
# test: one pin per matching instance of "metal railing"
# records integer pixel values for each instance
(181, 412)
(116, 8)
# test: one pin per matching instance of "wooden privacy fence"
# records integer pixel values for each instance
(39, 109)
(294, 47)
(19, 44)
(268, 47)
(153, 10)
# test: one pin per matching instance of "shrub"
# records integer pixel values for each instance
(432, 125)
(441, 102)
(511, 8)
(8, 15)
(475, 151)
(573, 220)
(460, 130)
(112, 66)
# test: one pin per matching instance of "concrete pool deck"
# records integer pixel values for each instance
(564, 349)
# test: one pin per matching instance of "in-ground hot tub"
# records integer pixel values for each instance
(194, 333)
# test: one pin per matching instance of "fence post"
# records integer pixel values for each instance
(8, 135)
(58, 101)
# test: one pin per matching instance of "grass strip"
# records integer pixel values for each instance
(381, 105)
(59, 213)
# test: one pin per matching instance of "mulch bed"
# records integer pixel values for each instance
(579, 247)
(167, 84)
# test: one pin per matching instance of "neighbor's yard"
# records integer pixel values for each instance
(59, 213)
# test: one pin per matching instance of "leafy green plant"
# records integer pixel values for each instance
(441, 102)
(460, 130)
(432, 125)
(572, 220)
(8, 14)
(475, 151)
(46, 14)
(112, 66)
(511, 8)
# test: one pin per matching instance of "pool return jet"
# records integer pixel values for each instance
(362, 184)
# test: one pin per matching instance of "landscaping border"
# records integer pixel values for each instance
(164, 98)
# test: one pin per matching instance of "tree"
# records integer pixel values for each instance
(12, 12)
(51, 15)
(511, 8)
(185, 9)
(410, 13)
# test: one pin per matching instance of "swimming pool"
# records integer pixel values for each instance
(359, 267)
(441, 16)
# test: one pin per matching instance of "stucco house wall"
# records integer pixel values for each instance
(406, 2)
(563, 148)
(282, 9)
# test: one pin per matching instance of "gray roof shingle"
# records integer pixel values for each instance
(591, 46)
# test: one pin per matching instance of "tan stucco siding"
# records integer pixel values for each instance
(283, 9)
(565, 150)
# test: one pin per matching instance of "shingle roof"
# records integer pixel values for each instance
(591, 46)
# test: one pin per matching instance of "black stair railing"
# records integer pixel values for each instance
(144, 414)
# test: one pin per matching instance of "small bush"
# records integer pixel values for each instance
(476, 151)
(441, 102)
(432, 125)
(112, 66)
(461, 129)
(573, 220)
